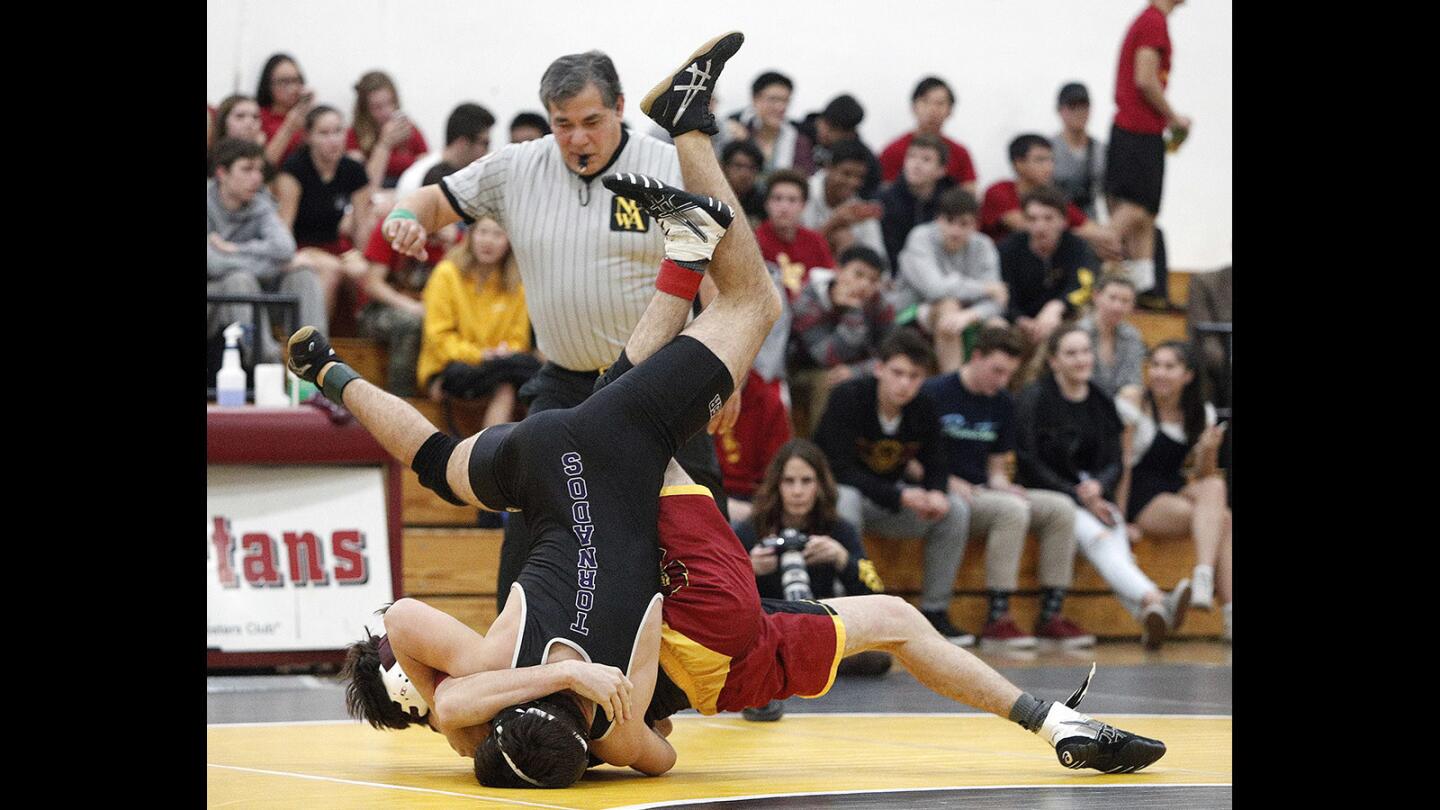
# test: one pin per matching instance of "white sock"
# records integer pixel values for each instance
(1142, 272)
(1051, 727)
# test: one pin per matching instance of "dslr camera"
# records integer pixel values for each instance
(794, 579)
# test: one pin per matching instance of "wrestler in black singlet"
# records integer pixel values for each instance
(588, 479)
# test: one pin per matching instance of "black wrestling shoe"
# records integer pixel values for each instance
(769, 713)
(681, 102)
(307, 352)
(1089, 743)
(693, 223)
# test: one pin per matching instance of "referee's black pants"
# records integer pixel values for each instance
(556, 387)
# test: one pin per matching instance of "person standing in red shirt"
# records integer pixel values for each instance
(932, 102)
(1135, 161)
(783, 240)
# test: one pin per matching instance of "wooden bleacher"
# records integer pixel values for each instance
(453, 565)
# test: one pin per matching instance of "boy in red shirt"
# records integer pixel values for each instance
(1033, 160)
(783, 239)
(932, 102)
(1135, 160)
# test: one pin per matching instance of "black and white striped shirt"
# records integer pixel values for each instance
(588, 261)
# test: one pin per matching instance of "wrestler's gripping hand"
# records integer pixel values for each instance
(406, 236)
(605, 685)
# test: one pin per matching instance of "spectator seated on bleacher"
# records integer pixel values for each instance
(838, 122)
(528, 126)
(477, 340)
(316, 187)
(1177, 426)
(382, 136)
(882, 438)
(1048, 271)
(1068, 441)
(783, 239)
(1119, 347)
(391, 311)
(911, 199)
(238, 116)
(764, 124)
(950, 274)
(467, 139)
(248, 249)
(744, 449)
(841, 318)
(932, 102)
(977, 420)
(834, 207)
(284, 102)
(741, 160)
(1210, 302)
(1034, 163)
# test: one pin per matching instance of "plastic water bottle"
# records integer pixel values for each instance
(230, 380)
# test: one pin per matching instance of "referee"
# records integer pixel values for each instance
(587, 257)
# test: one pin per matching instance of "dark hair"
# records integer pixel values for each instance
(861, 253)
(229, 150)
(531, 119)
(263, 96)
(956, 202)
(998, 339)
(848, 149)
(366, 697)
(909, 343)
(467, 121)
(223, 111)
(768, 78)
(927, 141)
(567, 77)
(843, 112)
(1046, 195)
(552, 752)
(788, 176)
(748, 147)
(930, 83)
(1192, 396)
(438, 172)
(312, 117)
(1021, 146)
(770, 507)
(1053, 344)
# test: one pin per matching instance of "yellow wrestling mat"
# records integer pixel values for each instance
(348, 764)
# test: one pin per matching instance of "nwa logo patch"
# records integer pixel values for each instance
(626, 215)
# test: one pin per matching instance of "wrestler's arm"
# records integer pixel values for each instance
(477, 698)
(430, 644)
(632, 742)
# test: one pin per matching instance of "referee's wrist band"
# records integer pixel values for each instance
(402, 213)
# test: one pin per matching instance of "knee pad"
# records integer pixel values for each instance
(430, 464)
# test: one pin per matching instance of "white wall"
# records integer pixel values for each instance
(1006, 60)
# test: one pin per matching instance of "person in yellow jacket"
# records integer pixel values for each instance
(477, 340)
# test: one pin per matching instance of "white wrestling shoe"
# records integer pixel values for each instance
(693, 223)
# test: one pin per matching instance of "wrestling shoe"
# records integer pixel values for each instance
(769, 713)
(681, 102)
(1083, 742)
(940, 620)
(693, 223)
(307, 352)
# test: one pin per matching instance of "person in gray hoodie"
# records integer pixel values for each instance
(950, 274)
(248, 248)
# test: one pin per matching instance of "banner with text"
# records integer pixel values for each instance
(297, 557)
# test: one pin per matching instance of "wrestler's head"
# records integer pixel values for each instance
(541, 743)
(378, 691)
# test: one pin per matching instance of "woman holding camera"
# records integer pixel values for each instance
(799, 493)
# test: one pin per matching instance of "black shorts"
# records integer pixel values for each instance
(1135, 168)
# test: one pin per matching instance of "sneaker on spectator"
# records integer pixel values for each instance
(1202, 587)
(1177, 602)
(1065, 633)
(940, 620)
(1153, 626)
(1003, 632)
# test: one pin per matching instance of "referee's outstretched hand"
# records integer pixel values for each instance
(406, 237)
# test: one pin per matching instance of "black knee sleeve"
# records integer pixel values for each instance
(430, 463)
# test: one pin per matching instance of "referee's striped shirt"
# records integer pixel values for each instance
(588, 261)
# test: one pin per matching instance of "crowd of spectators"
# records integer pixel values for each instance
(934, 338)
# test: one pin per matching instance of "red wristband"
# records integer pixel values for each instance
(678, 281)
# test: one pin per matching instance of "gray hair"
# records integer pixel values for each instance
(567, 77)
